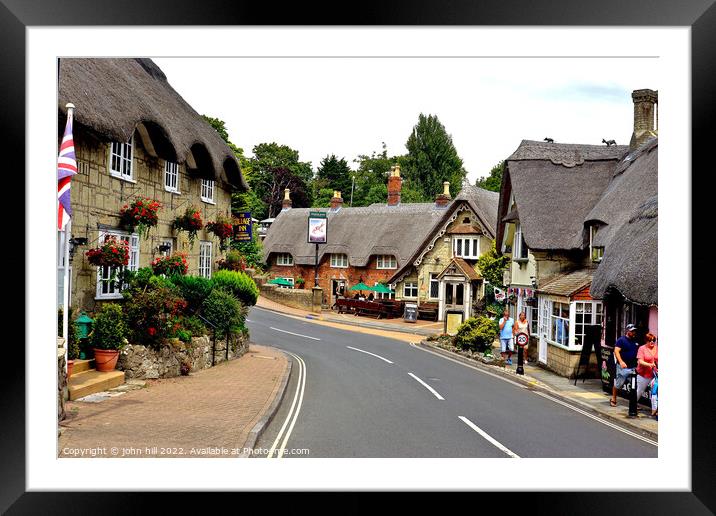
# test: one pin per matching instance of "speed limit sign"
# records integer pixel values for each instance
(522, 339)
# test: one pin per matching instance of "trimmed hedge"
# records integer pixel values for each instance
(476, 334)
(238, 284)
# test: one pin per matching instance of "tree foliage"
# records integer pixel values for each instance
(335, 173)
(492, 266)
(431, 160)
(492, 182)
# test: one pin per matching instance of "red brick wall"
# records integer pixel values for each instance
(352, 275)
(582, 295)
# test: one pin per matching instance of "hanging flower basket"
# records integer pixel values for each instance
(190, 222)
(170, 265)
(222, 228)
(233, 262)
(141, 215)
(112, 253)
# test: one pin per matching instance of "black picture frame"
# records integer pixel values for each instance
(700, 15)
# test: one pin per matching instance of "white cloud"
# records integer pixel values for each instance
(348, 107)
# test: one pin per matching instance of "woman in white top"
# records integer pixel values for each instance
(522, 325)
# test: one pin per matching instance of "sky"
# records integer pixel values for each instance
(348, 107)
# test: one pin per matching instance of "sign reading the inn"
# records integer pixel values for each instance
(243, 227)
(317, 227)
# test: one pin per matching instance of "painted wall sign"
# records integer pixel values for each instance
(317, 227)
(243, 227)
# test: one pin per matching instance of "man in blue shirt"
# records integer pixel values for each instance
(625, 351)
(506, 345)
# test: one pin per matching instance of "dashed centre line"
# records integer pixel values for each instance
(488, 437)
(296, 334)
(435, 393)
(369, 353)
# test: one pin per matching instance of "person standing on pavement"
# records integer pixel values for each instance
(625, 351)
(647, 361)
(506, 333)
(522, 325)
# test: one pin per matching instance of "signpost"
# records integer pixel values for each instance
(243, 227)
(522, 339)
(317, 234)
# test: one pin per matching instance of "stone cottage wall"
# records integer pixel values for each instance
(138, 361)
(97, 198)
(295, 298)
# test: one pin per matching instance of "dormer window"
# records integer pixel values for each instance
(519, 247)
(285, 259)
(386, 261)
(339, 261)
(121, 157)
(597, 252)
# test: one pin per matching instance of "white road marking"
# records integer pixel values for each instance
(249, 320)
(521, 386)
(437, 395)
(296, 334)
(369, 353)
(488, 437)
(298, 397)
(604, 422)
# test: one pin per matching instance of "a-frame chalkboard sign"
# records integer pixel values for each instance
(592, 341)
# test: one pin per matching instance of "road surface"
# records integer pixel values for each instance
(360, 395)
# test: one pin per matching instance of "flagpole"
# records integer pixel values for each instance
(66, 270)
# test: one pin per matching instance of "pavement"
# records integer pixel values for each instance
(364, 394)
(215, 412)
(588, 393)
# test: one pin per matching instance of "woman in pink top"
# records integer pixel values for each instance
(647, 359)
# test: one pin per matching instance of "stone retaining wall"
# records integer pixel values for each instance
(61, 383)
(138, 361)
(303, 299)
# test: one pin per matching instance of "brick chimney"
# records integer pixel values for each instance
(443, 199)
(336, 201)
(394, 184)
(286, 203)
(645, 116)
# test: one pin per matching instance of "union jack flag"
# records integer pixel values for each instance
(66, 168)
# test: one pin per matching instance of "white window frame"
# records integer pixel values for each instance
(124, 155)
(205, 258)
(114, 291)
(289, 280)
(339, 260)
(412, 286)
(384, 295)
(433, 279)
(517, 246)
(552, 334)
(207, 190)
(595, 312)
(171, 177)
(386, 261)
(284, 259)
(472, 244)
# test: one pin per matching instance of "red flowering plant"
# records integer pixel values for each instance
(223, 228)
(170, 265)
(112, 253)
(141, 215)
(190, 222)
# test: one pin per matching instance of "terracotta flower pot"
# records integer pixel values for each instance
(70, 365)
(105, 359)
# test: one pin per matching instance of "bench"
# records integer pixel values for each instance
(428, 311)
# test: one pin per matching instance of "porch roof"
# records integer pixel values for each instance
(462, 267)
(567, 283)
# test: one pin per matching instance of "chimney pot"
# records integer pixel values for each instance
(645, 116)
(336, 201)
(286, 203)
(395, 183)
(443, 199)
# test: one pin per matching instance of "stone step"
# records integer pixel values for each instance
(82, 366)
(92, 381)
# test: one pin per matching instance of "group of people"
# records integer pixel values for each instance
(628, 355)
(361, 297)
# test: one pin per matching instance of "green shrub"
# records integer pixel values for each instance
(73, 341)
(224, 311)
(476, 334)
(194, 325)
(150, 312)
(194, 289)
(238, 284)
(109, 329)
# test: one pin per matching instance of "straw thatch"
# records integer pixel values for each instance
(630, 263)
(555, 186)
(113, 97)
(635, 180)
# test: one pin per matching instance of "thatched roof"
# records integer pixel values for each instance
(555, 186)
(634, 181)
(567, 283)
(115, 97)
(630, 262)
(357, 232)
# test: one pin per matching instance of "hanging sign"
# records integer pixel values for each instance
(243, 227)
(499, 294)
(317, 227)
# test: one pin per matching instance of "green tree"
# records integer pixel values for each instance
(432, 159)
(492, 182)
(335, 173)
(492, 266)
(371, 177)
